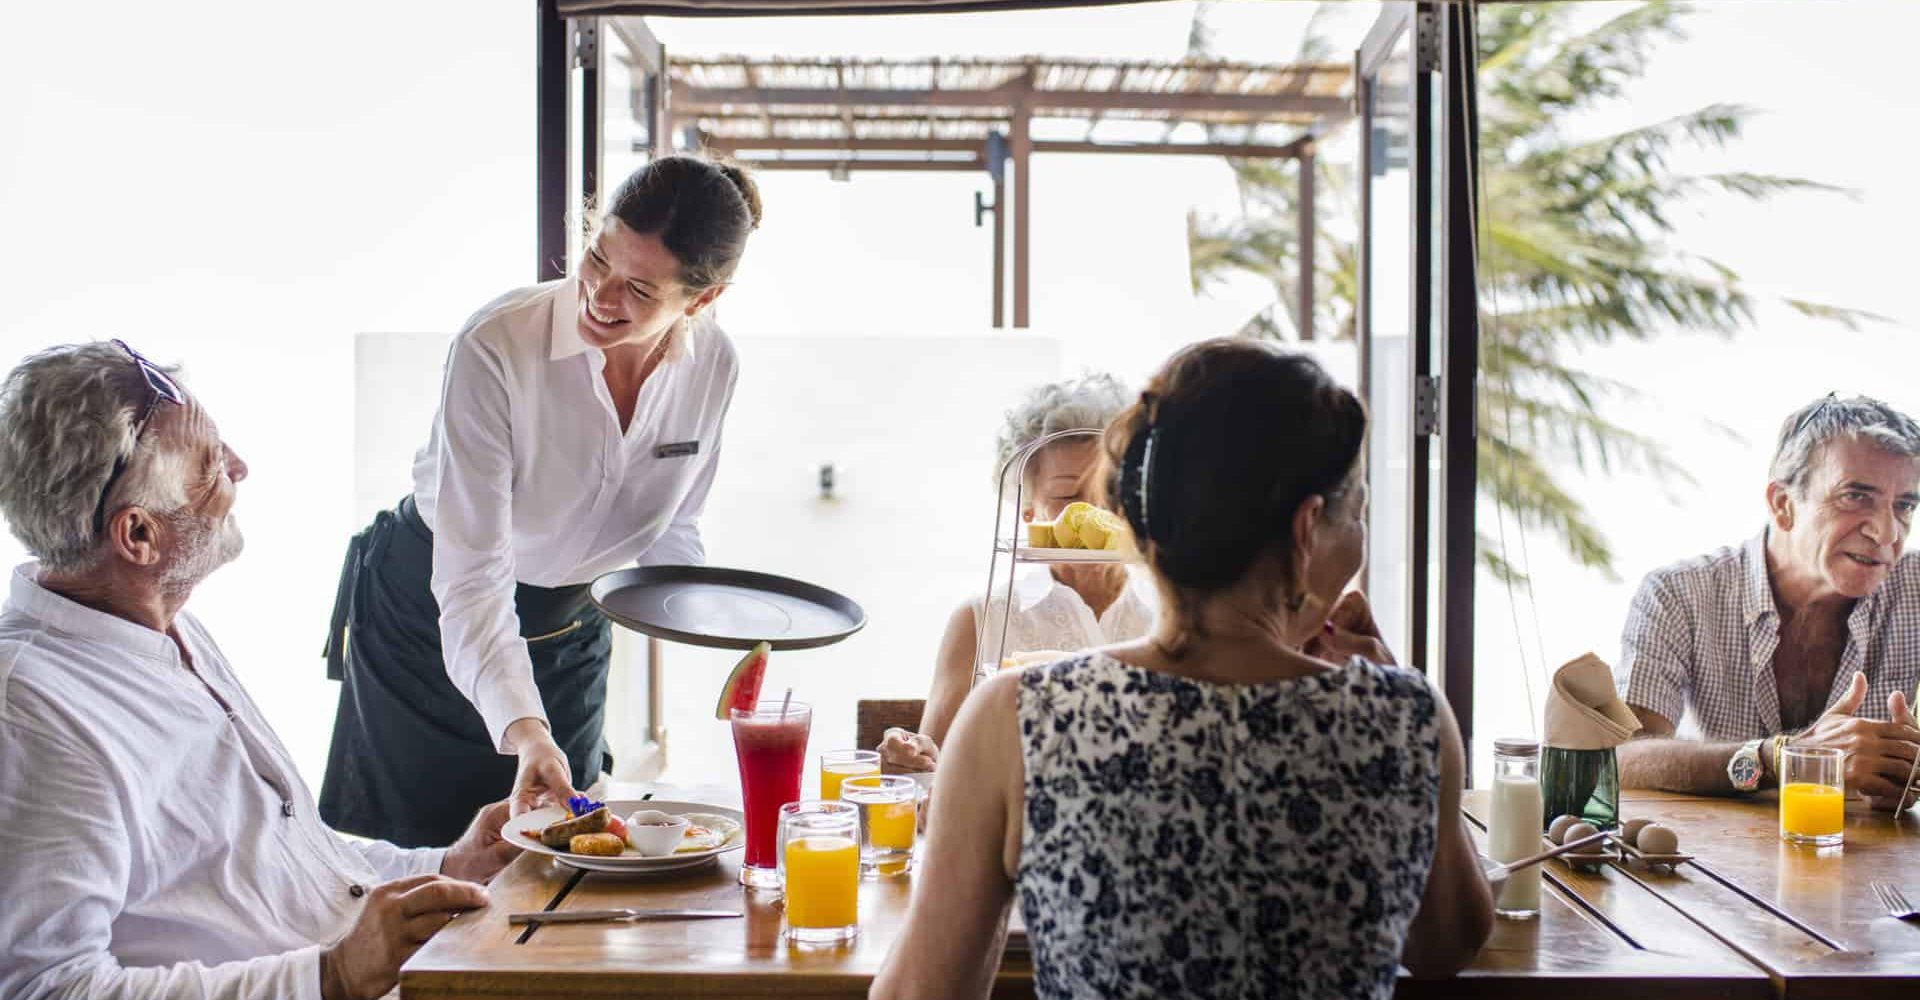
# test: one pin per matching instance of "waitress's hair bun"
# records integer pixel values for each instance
(749, 190)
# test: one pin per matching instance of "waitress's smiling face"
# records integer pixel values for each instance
(630, 288)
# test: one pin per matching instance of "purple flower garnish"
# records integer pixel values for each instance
(580, 805)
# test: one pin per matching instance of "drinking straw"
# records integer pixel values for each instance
(784, 701)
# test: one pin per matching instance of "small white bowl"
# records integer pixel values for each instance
(654, 833)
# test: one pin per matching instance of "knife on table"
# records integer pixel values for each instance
(601, 916)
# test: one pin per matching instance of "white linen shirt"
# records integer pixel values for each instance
(1701, 635)
(527, 478)
(1049, 615)
(151, 845)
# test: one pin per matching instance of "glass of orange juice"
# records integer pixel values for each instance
(1813, 795)
(839, 765)
(887, 805)
(820, 858)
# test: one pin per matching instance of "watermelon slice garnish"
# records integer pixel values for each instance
(742, 690)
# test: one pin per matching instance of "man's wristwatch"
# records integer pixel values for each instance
(1743, 768)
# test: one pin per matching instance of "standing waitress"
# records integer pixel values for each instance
(578, 430)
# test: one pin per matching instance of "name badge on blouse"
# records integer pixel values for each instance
(679, 449)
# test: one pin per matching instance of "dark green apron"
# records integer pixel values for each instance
(411, 760)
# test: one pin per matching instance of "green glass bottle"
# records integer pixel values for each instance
(1583, 783)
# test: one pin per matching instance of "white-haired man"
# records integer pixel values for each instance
(1808, 634)
(156, 839)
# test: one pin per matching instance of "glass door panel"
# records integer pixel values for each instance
(1388, 121)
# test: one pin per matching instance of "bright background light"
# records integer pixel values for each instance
(247, 188)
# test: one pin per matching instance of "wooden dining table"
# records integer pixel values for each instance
(1749, 917)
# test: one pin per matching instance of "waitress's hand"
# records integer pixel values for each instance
(544, 777)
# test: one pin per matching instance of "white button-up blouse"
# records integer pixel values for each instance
(152, 844)
(527, 478)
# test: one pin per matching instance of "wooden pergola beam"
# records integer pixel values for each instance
(735, 146)
(691, 100)
(941, 166)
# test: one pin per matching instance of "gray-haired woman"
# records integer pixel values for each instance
(1072, 607)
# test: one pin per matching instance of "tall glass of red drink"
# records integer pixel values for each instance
(772, 748)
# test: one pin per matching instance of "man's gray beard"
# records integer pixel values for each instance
(204, 547)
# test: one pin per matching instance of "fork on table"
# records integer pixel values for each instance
(1895, 901)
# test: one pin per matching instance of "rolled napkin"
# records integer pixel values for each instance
(1584, 711)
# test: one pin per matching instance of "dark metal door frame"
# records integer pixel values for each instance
(586, 38)
(1443, 383)
(1460, 364)
(551, 61)
(1420, 375)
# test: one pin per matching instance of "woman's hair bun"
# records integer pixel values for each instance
(1224, 444)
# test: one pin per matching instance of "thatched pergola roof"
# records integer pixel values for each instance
(874, 110)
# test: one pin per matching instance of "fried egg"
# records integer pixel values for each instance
(706, 832)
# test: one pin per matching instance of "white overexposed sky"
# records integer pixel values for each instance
(246, 188)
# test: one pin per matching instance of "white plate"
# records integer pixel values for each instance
(524, 830)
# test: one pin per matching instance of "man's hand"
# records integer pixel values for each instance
(481, 852)
(902, 751)
(1900, 712)
(1879, 754)
(1350, 631)
(398, 918)
(544, 777)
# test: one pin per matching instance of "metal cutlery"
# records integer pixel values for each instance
(617, 915)
(1895, 901)
(1498, 876)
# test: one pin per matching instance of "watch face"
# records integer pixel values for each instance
(1744, 769)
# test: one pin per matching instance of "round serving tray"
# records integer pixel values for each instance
(726, 608)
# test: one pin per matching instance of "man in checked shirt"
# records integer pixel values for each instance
(1808, 633)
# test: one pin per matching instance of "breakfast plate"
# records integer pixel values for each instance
(524, 831)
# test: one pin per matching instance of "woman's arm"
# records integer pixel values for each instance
(951, 945)
(473, 561)
(1456, 912)
(952, 674)
(474, 574)
(952, 679)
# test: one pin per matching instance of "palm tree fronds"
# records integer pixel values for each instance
(1852, 319)
(1576, 251)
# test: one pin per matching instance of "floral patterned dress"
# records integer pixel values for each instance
(1183, 838)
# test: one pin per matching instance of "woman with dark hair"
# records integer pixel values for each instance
(1212, 810)
(578, 431)
(1055, 609)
